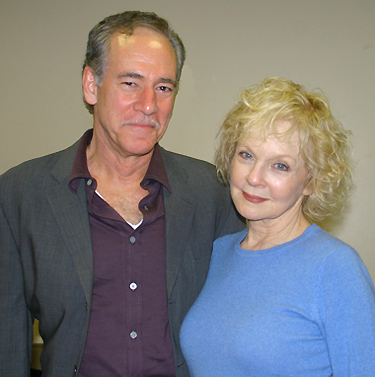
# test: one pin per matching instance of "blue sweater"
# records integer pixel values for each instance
(304, 308)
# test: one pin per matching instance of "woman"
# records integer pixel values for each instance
(283, 298)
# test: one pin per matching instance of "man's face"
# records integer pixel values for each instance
(134, 103)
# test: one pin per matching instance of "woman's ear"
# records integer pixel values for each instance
(307, 191)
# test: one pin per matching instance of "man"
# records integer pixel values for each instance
(108, 242)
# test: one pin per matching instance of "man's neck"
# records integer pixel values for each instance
(105, 163)
(118, 179)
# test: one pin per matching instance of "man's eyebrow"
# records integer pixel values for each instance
(168, 81)
(135, 75)
(132, 75)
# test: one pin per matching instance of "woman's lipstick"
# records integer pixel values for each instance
(253, 198)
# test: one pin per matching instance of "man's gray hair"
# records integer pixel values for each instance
(126, 23)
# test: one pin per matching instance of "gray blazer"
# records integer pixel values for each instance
(46, 261)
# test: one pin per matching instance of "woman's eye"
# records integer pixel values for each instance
(245, 155)
(281, 166)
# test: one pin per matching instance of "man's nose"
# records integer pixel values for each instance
(146, 102)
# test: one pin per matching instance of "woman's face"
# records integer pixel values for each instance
(268, 177)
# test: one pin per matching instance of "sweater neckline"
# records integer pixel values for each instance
(273, 249)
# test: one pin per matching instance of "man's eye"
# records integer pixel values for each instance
(128, 83)
(165, 88)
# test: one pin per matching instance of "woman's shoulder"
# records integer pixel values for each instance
(322, 242)
(230, 240)
(334, 256)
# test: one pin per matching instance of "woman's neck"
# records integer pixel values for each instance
(264, 234)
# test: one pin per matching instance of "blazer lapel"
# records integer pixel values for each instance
(70, 211)
(179, 211)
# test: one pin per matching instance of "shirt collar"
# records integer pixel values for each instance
(155, 172)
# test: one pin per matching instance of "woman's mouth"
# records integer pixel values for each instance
(253, 198)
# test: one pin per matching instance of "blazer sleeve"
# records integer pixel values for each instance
(229, 221)
(16, 321)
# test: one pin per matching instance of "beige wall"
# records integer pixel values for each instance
(323, 43)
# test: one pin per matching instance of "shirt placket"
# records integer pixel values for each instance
(134, 317)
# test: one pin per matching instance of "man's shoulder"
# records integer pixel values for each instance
(40, 166)
(175, 162)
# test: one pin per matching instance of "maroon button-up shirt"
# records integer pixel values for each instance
(129, 328)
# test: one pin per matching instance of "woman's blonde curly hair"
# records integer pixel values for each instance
(324, 143)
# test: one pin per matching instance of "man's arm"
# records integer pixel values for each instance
(16, 334)
(229, 221)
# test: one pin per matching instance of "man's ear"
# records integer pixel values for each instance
(89, 86)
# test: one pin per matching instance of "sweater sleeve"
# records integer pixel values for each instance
(347, 309)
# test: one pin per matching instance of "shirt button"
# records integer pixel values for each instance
(133, 286)
(133, 334)
(132, 239)
(89, 182)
